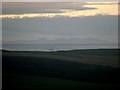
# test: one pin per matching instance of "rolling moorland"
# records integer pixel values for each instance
(73, 69)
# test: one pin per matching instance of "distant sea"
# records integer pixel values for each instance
(56, 47)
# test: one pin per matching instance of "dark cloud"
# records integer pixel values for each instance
(21, 8)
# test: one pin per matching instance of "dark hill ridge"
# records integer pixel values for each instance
(106, 57)
(97, 52)
(78, 65)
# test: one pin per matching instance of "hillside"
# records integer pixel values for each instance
(61, 65)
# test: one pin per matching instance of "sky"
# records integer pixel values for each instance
(39, 23)
(57, 0)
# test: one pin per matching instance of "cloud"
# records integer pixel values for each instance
(101, 27)
(40, 28)
(92, 10)
(55, 0)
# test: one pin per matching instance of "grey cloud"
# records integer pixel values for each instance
(24, 8)
(55, 0)
(89, 26)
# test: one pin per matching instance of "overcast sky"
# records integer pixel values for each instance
(59, 22)
(57, 0)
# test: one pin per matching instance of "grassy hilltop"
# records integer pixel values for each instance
(85, 69)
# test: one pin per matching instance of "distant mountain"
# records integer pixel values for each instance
(62, 41)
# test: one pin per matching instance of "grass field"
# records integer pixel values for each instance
(76, 69)
(29, 81)
(107, 57)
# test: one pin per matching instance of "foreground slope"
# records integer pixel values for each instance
(61, 65)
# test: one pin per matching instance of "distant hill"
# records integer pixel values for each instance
(62, 41)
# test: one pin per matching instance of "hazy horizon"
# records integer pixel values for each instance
(41, 23)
